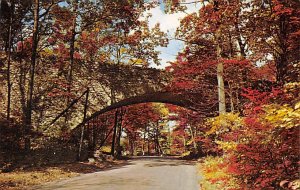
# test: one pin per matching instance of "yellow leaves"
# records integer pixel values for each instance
(139, 61)
(123, 50)
(215, 175)
(76, 45)
(224, 122)
(291, 87)
(227, 145)
(105, 149)
(136, 62)
(211, 167)
(46, 52)
(282, 115)
(187, 153)
(161, 109)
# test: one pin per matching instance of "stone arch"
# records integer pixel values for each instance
(159, 97)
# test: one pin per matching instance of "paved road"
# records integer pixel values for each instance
(139, 174)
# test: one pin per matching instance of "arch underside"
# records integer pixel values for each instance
(160, 97)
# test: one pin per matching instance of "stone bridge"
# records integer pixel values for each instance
(135, 85)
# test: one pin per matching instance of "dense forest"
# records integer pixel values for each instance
(233, 92)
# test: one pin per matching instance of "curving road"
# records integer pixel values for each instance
(139, 174)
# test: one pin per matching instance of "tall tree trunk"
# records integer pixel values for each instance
(114, 133)
(94, 136)
(239, 38)
(221, 88)
(148, 143)
(119, 149)
(193, 139)
(83, 126)
(231, 97)
(28, 123)
(8, 63)
(144, 142)
(131, 144)
(169, 139)
(133, 147)
(184, 143)
(71, 54)
(156, 140)
(242, 46)
(281, 60)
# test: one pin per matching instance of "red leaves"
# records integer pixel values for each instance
(257, 99)
(140, 115)
(25, 45)
(235, 62)
(233, 169)
(262, 163)
(265, 156)
(253, 123)
(255, 96)
(281, 9)
(184, 84)
(51, 41)
(77, 55)
(58, 93)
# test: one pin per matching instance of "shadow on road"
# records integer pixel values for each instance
(83, 167)
(118, 166)
(157, 161)
(160, 163)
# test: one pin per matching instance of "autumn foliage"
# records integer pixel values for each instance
(239, 70)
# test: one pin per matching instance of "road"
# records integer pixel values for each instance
(139, 174)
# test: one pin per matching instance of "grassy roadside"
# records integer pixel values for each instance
(24, 178)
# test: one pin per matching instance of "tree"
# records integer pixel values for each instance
(278, 38)
(12, 13)
(141, 124)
